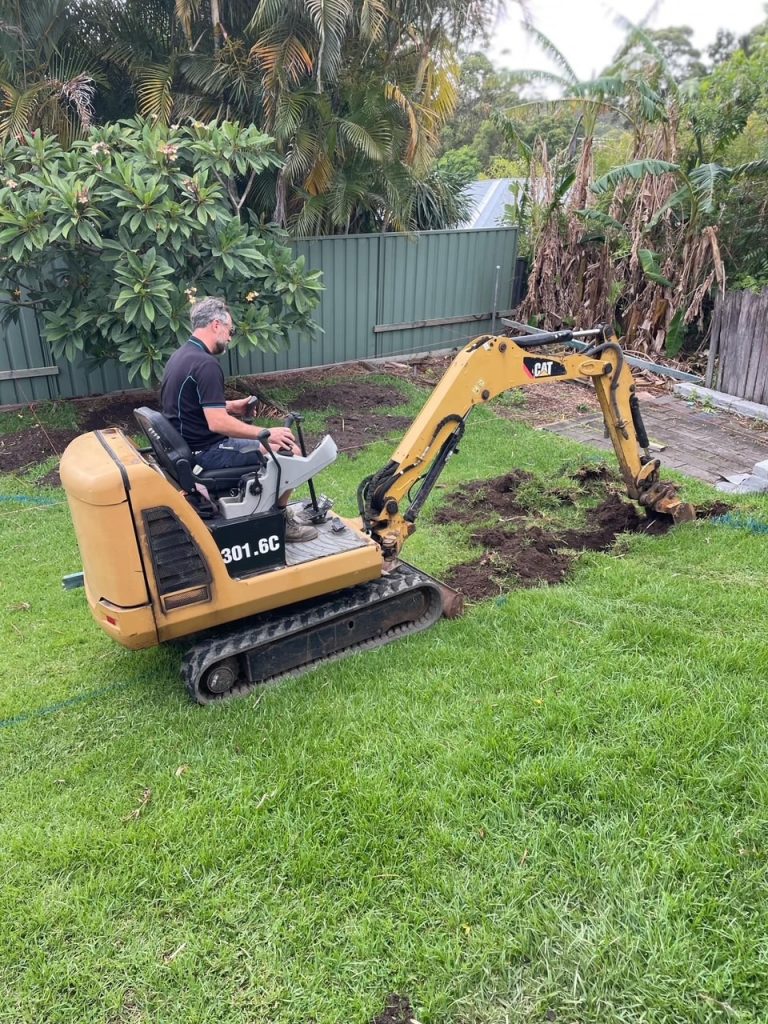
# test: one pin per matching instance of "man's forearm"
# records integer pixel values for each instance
(230, 426)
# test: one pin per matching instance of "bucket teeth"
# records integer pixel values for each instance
(662, 497)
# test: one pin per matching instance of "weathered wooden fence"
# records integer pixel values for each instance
(740, 336)
(385, 295)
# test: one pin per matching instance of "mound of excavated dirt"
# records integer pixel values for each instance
(347, 397)
(352, 433)
(523, 554)
(473, 499)
(353, 423)
(116, 411)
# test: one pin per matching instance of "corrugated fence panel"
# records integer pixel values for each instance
(23, 349)
(77, 379)
(439, 275)
(371, 282)
(347, 310)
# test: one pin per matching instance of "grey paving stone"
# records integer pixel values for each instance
(701, 443)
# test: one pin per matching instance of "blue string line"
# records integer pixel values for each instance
(739, 522)
(29, 499)
(80, 698)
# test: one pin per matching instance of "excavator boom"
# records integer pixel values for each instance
(485, 368)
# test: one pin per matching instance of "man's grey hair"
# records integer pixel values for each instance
(206, 311)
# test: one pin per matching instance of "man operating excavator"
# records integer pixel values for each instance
(192, 398)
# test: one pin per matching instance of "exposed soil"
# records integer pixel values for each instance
(469, 501)
(28, 448)
(397, 1010)
(347, 397)
(114, 411)
(353, 432)
(520, 553)
(544, 404)
(350, 401)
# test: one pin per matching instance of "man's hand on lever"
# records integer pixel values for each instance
(281, 438)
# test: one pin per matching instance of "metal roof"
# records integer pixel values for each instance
(489, 199)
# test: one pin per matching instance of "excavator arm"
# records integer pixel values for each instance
(485, 368)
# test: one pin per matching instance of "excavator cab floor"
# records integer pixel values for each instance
(329, 541)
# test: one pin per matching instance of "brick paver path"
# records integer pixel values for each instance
(702, 443)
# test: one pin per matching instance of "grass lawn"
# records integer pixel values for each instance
(552, 809)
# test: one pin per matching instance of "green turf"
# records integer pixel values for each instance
(550, 809)
(49, 414)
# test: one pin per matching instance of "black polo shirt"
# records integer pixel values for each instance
(193, 381)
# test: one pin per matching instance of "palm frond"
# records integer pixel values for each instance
(361, 139)
(704, 180)
(373, 18)
(276, 56)
(154, 91)
(634, 171)
(270, 13)
(319, 179)
(186, 11)
(330, 19)
(393, 92)
(17, 109)
(548, 47)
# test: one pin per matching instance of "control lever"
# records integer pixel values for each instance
(263, 438)
(250, 408)
(315, 510)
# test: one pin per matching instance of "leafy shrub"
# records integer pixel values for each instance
(111, 240)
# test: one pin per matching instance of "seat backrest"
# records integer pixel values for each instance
(171, 450)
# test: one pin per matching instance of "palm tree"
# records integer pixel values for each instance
(45, 82)
(354, 92)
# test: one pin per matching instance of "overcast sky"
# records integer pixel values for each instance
(586, 33)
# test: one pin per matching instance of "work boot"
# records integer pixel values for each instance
(296, 532)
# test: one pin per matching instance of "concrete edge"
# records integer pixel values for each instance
(720, 400)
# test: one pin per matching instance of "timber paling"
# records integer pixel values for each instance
(740, 333)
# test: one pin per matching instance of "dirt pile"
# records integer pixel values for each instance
(347, 397)
(351, 403)
(28, 448)
(474, 499)
(518, 551)
(115, 411)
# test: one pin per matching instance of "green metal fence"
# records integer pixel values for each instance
(385, 295)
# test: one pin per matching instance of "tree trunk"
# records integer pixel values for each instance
(216, 24)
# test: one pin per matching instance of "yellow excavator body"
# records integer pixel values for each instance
(125, 510)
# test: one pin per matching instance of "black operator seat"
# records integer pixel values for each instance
(175, 457)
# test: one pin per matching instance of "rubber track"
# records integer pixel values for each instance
(275, 625)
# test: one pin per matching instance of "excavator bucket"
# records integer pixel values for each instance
(662, 497)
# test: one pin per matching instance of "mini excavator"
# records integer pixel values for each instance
(175, 553)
